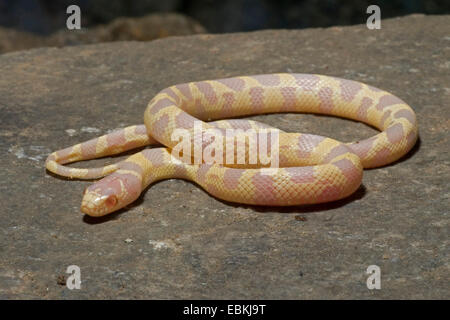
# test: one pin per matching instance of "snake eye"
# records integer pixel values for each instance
(111, 201)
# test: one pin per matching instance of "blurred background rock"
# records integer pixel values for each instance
(32, 23)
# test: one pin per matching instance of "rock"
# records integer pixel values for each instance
(187, 244)
(12, 40)
(145, 28)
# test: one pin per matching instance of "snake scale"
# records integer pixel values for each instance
(312, 169)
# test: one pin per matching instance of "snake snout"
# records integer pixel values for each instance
(110, 194)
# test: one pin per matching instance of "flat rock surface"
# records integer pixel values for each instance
(179, 242)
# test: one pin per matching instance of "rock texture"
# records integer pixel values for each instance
(145, 28)
(177, 241)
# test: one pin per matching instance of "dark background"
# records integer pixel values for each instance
(46, 16)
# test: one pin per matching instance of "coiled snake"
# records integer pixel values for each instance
(312, 169)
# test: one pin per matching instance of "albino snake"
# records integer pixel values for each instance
(312, 169)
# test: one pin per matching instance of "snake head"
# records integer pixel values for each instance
(111, 193)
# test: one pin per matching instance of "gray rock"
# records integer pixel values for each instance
(186, 244)
(13, 40)
(146, 28)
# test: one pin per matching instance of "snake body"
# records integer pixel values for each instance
(312, 169)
